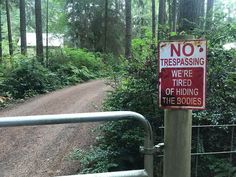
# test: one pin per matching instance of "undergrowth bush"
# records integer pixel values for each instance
(22, 76)
(76, 65)
(82, 58)
(89, 159)
(27, 79)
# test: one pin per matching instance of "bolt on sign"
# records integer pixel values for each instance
(182, 74)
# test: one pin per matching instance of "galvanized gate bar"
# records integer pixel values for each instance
(131, 173)
(89, 117)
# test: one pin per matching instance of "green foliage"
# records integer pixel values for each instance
(98, 160)
(81, 58)
(221, 102)
(86, 25)
(212, 166)
(76, 65)
(27, 79)
(22, 77)
(141, 20)
(221, 69)
(136, 90)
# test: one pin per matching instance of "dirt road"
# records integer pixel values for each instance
(41, 151)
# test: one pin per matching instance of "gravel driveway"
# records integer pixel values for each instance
(41, 151)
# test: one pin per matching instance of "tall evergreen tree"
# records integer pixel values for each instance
(23, 27)
(200, 13)
(86, 29)
(105, 25)
(47, 30)
(174, 15)
(169, 14)
(188, 19)
(153, 19)
(161, 17)
(39, 36)
(128, 29)
(0, 30)
(9, 28)
(162, 12)
(172, 10)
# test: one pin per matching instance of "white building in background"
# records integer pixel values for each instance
(229, 46)
(54, 40)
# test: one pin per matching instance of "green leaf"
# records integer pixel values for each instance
(173, 33)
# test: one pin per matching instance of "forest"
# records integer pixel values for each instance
(117, 40)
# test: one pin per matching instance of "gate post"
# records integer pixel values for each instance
(177, 151)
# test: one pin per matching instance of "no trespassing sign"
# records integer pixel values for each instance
(182, 74)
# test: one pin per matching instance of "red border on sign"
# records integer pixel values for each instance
(204, 80)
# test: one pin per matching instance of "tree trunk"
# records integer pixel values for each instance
(47, 23)
(161, 17)
(170, 14)
(0, 30)
(128, 30)
(9, 28)
(189, 16)
(39, 37)
(209, 14)
(162, 12)
(202, 13)
(199, 13)
(153, 19)
(105, 25)
(174, 15)
(23, 27)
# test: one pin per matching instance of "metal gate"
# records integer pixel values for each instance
(148, 148)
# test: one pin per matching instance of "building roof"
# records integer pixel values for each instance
(54, 40)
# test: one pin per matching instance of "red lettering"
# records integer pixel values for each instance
(191, 49)
(173, 49)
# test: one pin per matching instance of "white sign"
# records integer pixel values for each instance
(182, 74)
